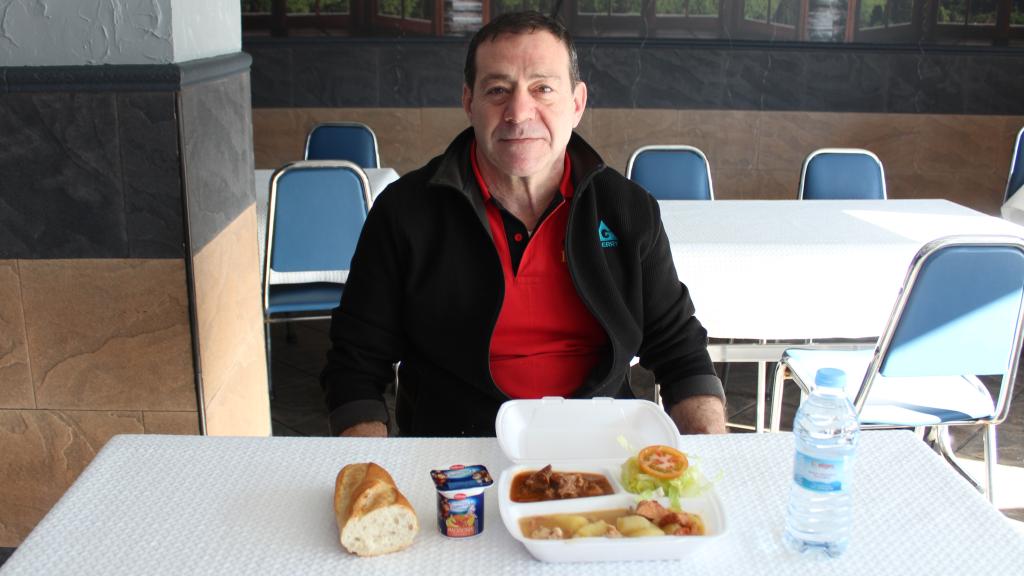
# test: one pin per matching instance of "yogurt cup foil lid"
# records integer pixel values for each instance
(461, 478)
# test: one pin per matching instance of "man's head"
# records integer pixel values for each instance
(522, 95)
(520, 23)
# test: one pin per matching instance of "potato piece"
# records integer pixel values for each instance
(592, 530)
(670, 529)
(629, 524)
(650, 531)
(570, 523)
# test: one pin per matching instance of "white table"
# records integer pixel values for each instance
(379, 179)
(801, 269)
(199, 505)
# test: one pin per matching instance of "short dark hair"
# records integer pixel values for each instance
(521, 23)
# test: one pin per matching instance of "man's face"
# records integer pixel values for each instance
(522, 105)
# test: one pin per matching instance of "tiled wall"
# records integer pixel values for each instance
(753, 154)
(88, 349)
(941, 119)
(654, 74)
(109, 287)
(217, 140)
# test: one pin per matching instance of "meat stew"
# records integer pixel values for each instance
(547, 484)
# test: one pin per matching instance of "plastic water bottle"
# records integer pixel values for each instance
(820, 513)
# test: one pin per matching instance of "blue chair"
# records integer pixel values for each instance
(672, 172)
(350, 141)
(1016, 178)
(958, 316)
(316, 213)
(842, 174)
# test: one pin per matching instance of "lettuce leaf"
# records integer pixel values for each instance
(689, 484)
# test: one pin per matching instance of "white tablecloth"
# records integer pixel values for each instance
(792, 269)
(191, 505)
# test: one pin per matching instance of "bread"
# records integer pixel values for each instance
(373, 516)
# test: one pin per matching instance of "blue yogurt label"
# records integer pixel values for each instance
(460, 499)
(462, 477)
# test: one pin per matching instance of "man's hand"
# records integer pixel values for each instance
(367, 430)
(699, 415)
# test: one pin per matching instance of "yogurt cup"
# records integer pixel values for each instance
(460, 499)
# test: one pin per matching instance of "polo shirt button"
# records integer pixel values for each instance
(518, 237)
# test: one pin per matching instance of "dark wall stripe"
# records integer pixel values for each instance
(121, 78)
(656, 73)
(217, 145)
(89, 157)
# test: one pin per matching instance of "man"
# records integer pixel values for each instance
(514, 265)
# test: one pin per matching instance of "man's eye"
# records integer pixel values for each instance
(545, 89)
(497, 90)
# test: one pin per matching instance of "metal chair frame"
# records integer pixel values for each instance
(672, 147)
(272, 217)
(882, 349)
(268, 319)
(1018, 154)
(852, 151)
(376, 148)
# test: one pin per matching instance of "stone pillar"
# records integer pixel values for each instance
(129, 273)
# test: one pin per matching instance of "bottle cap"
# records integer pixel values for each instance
(830, 378)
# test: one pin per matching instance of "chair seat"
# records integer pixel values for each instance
(312, 297)
(917, 401)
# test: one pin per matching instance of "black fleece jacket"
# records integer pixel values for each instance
(426, 286)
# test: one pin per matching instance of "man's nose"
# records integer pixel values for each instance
(520, 107)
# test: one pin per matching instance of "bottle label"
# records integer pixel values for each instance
(820, 474)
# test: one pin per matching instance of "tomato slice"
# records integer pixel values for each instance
(662, 462)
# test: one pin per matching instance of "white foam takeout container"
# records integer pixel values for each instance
(585, 436)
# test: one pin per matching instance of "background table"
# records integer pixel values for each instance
(194, 505)
(803, 269)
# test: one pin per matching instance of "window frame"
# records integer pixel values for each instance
(623, 25)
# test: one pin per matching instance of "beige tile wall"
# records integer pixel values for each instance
(108, 334)
(229, 315)
(753, 154)
(43, 452)
(88, 349)
(15, 379)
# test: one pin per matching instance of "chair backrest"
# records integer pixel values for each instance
(317, 210)
(842, 174)
(672, 172)
(1016, 178)
(350, 141)
(960, 312)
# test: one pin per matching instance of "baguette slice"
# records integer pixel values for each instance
(373, 516)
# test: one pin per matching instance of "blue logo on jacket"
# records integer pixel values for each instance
(606, 236)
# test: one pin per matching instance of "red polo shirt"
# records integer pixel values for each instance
(545, 341)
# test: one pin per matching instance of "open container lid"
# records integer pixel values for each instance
(559, 429)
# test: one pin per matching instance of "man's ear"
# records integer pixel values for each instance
(579, 99)
(467, 98)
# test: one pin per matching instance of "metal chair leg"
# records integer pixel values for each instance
(762, 375)
(777, 387)
(270, 375)
(991, 459)
(941, 440)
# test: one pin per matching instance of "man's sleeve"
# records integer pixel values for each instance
(366, 338)
(675, 343)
